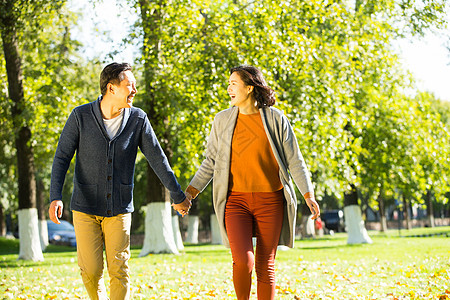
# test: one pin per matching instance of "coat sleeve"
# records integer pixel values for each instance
(295, 163)
(205, 172)
(158, 161)
(67, 145)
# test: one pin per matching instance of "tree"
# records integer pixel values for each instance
(431, 152)
(331, 66)
(8, 182)
(54, 80)
(9, 25)
(382, 133)
(57, 80)
(159, 236)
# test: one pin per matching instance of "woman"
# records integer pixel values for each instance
(250, 149)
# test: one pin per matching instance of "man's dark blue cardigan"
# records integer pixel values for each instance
(104, 167)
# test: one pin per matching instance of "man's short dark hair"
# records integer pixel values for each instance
(112, 73)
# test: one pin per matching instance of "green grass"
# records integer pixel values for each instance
(392, 267)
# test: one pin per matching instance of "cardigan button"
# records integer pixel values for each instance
(108, 196)
(109, 177)
(109, 161)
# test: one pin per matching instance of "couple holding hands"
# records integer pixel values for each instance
(252, 154)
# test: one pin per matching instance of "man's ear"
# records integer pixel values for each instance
(110, 88)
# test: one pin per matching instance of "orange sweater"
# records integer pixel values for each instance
(253, 166)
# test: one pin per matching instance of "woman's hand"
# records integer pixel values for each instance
(313, 205)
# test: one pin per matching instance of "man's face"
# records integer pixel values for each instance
(126, 90)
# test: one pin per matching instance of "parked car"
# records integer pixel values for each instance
(334, 220)
(61, 234)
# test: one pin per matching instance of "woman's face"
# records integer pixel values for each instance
(238, 90)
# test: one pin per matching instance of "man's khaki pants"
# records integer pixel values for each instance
(92, 232)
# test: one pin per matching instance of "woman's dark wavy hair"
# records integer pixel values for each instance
(250, 75)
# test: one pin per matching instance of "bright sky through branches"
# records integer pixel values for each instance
(107, 24)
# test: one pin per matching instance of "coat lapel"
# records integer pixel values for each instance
(268, 127)
(126, 116)
(98, 116)
(226, 136)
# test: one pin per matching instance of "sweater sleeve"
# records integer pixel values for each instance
(205, 172)
(158, 161)
(67, 145)
(295, 162)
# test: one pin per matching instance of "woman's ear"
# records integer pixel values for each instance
(250, 88)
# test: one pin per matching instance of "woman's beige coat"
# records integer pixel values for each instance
(287, 153)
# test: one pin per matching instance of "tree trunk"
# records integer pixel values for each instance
(192, 233)
(430, 210)
(30, 245)
(158, 230)
(2, 221)
(354, 223)
(193, 224)
(177, 233)
(157, 198)
(307, 224)
(159, 237)
(40, 199)
(24, 151)
(406, 214)
(216, 238)
(382, 212)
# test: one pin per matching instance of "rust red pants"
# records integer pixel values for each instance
(260, 213)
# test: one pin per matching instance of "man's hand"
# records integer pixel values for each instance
(55, 211)
(183, 207)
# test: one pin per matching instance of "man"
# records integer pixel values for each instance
(106, 134)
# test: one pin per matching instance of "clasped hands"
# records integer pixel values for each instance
(184, 207)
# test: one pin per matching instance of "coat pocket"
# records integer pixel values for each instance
(85, 195)
(126, 195)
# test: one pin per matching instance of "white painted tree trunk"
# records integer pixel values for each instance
(43, 234)
(192, 233)
(216, 238)
(308, 229)
(30, 245)
(158, 230)
(383, 223)
(177, 233)
(431, 220)
(282, 248)
(357, 233)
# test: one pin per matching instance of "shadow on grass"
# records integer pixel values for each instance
(59, 249)
(15, 263)
(9, 254)
(9, 246)
(200, 251)
(328, 247)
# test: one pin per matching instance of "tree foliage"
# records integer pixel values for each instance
(330, 63)
(336, 77)
(55, 79)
